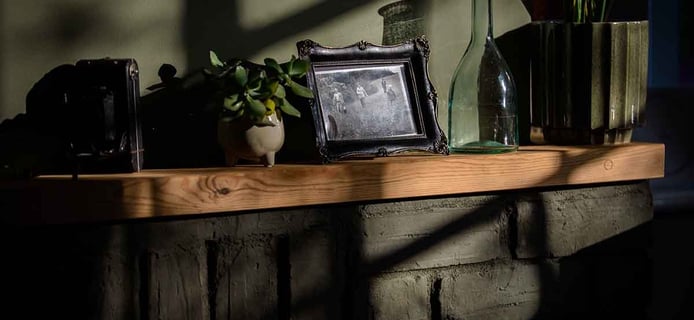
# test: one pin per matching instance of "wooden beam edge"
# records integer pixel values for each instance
(194, 192)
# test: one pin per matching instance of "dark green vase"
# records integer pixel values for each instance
(589, 81)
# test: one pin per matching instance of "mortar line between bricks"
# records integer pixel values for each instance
(284, 292)
(212, 248)
(435, 299)
(512, 223)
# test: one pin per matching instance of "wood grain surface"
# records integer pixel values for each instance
(161, 193)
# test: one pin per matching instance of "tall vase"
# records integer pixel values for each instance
(482, 111)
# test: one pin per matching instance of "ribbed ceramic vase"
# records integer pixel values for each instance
(402, 20)
(589, 81)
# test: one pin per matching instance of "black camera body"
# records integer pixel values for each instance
(81, 118)
(107, 136)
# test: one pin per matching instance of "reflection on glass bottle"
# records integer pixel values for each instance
(482, 115)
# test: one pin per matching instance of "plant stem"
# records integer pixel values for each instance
(602, 12)
(582, 11)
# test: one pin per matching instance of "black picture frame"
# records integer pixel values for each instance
(393, 112)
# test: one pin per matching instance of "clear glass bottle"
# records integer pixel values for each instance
(482, 113)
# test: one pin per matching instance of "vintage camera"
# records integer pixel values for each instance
(81, 118)
(107, 135)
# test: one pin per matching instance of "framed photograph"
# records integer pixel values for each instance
(372, 101)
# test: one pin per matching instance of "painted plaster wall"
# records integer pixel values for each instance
(38, 35)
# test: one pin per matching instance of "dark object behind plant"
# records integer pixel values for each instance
(179, 126)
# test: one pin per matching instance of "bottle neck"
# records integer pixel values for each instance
(482, 20)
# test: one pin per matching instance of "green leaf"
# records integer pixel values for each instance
(255, 88)
(280, 92)
(289, 109)
(299, 90)
(229, 116)
(273, 64)
(299, 68)
(287, 66)
(270, 87)
(214, 60)
(254, 75)
(235, 107)
(241, 76)
(256, 107)
(232, 102)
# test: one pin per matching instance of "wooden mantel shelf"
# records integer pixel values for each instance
(158, 193)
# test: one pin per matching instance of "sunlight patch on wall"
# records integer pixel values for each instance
(255, 14)
(363, 23)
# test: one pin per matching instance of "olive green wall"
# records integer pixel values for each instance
(38, 35)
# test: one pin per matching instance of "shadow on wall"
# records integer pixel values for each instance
(687, 47)
(357, 290)
(38, 36)
(2, 58)
(668, 117)
(216, 25)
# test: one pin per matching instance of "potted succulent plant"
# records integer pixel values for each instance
(589, 72)
(252, 100)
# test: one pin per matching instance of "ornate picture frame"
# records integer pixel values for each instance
(371, 100)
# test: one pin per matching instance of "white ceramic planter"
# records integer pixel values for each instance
(241, 139)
